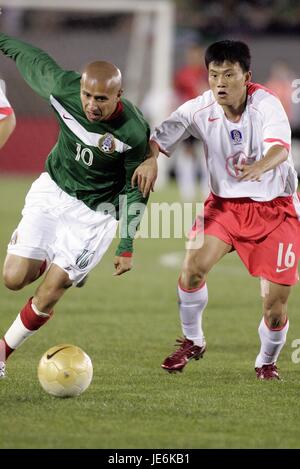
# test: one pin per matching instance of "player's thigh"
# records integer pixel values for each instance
(204, 258)
(17, 268)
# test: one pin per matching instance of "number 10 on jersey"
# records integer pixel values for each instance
(84, 154)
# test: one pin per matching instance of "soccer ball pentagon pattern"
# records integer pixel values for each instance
(65, 371)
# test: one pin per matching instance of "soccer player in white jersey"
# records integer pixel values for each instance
(253, 207)
(7, 117)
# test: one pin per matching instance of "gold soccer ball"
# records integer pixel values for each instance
(65, 371)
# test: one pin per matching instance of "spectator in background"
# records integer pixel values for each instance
(190, 81)
(7, 117)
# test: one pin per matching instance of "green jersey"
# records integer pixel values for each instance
(92, 161)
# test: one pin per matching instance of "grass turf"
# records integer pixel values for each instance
(128, 325)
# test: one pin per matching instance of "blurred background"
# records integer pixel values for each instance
(159, 47)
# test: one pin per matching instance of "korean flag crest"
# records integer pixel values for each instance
(236, 136)
(107, 143)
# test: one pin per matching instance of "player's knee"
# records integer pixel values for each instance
(275, 321)
(13, 279)
(45, 299)
(194, 271)
(191, 278)
(275, 312)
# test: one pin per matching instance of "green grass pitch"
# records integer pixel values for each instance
(128, 325)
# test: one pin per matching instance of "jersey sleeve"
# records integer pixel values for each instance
(134, 203)
(5, 107)
(276, 127)
(172, 131)
(37, 68)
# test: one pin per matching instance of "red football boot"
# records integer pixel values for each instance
(267, 372)
(186, 351)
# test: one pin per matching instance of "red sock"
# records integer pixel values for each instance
(5, 350)
(8, 350)
(30, 319)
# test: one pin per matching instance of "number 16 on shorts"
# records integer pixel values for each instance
(286, 257)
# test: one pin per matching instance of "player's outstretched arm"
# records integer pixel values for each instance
(38, 69)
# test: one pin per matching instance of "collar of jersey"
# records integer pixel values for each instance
(88, 138)
(117, 111)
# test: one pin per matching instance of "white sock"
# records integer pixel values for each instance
(191, 307)
(17, 333)
(272, 342)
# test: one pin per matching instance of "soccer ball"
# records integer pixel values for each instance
(65, 371)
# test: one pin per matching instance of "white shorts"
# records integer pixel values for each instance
(62, 229)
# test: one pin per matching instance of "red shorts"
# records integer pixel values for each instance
(266, 235)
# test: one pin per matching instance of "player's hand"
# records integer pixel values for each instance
(251, 172)
(122, 265)
(145, 176)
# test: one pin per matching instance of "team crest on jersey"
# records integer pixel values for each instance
(107, 143)
(236, 136)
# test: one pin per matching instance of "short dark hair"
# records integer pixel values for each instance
(233, 51)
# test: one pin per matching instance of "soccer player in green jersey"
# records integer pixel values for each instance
(71, 211)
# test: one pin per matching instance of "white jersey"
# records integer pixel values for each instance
(263, 124)
(5, 107)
